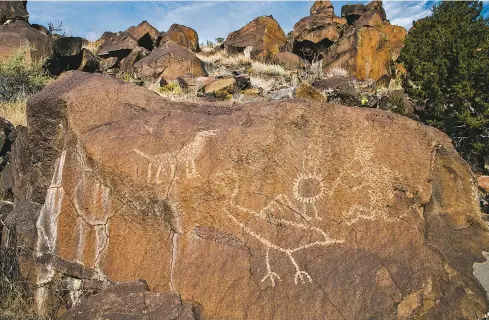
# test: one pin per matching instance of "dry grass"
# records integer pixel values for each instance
(268, 69)
(265, 84)
(14, 112)
(336, 72)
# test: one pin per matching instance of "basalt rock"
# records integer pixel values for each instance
(146, 35)
(13, 10)
(249, 209)
(264, 35)
(89, 62)
(68, 54)
(369, 46)
(19, 35)
(183, 36)
(133, 301)
(127, 64)
(169, 62)
(314, 34)
(118, 44)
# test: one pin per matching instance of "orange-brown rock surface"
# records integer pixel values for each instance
(169, 62)
(283, 210)
(369, 46)
(263, 34)
(314, 34)
(182, 35)
(146, 35)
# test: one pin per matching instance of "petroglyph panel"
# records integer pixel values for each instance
(163, 167)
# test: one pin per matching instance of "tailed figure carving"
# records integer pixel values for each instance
(166, 163)
(274, 215)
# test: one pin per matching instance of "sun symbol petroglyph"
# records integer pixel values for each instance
(166, 163)
(308, 189)
(272, 215)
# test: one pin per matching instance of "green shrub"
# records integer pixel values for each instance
(171, 88)
(447, 59)
(20, 78)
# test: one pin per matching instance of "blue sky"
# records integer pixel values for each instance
(89, 19)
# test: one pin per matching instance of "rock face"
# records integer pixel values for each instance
(362, 41)
(67, 55)
(118, 44)
(246, 210)
(314, 34)
(13, 10)
(370, 44)
(169, 62)
(183, 36)
(145, 34)
(19, 35)
(263, 34)
(132, 301)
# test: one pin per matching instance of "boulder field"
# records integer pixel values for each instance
(268, 210)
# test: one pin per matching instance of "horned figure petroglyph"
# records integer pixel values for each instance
(166, 163)
(273, 215)
(377, 183)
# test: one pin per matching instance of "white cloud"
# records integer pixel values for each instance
(403, 13)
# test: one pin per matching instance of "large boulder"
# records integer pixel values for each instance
(270, 210)
(314, 34)
(19, 35)
(369, 46)
(117, 45)
(13, 10)
(183, 36)
(263, 34)
(169, 62)
(145, 34)
(322, 7)
(68, 54)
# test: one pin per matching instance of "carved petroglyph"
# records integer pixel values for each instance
(98, 221)
(94, 215)
(166, 164)
(377, 183)
(269, 214)
(47, 231)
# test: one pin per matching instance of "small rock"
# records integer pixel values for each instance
(308, 92)
(483, 182)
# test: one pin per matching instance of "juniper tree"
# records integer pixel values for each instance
(447, 59)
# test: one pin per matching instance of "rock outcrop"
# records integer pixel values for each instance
(169, 62)
(183, 36)
(314, 34)
(370, 44)
(19, 35)
(362, 41)
(264, 35)
(145, 34)
(13, 10)
(284, 210)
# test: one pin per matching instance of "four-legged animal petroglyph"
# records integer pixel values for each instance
(166, 163)
(273, 215)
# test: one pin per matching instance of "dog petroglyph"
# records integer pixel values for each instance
(166, 163)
